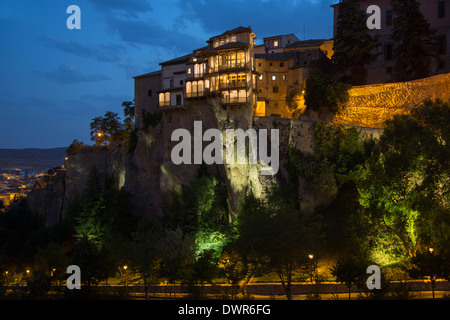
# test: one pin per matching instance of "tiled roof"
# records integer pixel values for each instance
(154, 73)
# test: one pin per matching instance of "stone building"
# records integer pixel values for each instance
(436, 12)
(244, 79)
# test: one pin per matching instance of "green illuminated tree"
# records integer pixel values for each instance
(405, 185)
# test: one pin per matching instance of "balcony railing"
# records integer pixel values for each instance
(164, 103)
(233, 84)
(233, 65)
(233, 100)
(196, 94)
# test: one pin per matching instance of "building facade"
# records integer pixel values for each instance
(244, 79)
(436, 12)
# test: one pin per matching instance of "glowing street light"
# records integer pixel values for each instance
(431, 250)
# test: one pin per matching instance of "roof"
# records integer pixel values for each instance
(234, 31)
(307, 43)
(227, 46)
(154, 73)
(178, 60)
(281, 35)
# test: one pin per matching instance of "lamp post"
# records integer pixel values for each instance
(125, 268)
(316, 275)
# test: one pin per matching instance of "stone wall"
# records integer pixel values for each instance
(371, 105)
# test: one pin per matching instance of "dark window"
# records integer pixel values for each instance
(441, 9)
(275, 89)
(178, 99)
(171, 83)
(281, 64)
(150, 93)
(441, 42)
(259, 64)
(389, 18)
(270, 64)
(181, 82)
(388, 51)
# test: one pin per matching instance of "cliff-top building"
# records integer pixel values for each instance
(244, 78)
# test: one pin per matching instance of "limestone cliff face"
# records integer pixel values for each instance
(150, 177)
(47, 197)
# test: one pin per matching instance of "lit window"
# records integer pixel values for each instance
(284, 77)
(275, 43)
(189, 71)
(274, 77)
(233, 38)
(260, 77)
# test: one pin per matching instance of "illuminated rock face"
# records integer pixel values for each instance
(371, 105)
(150, 176)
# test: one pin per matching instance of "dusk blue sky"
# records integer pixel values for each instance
(54, 81)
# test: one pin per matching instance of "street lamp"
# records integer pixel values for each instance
(125, 268)
(431, 250)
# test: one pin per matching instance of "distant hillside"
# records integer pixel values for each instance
(32, 158)
(33, 154)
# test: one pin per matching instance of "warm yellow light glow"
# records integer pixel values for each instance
(99, 134)
(66, 158)
(28, 270)
(431, 250)
(125, 267)
(311, 256)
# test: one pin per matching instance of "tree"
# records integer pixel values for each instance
(142, 252)
(322, 90)
(107, 129)
(74, 147)
(177, 255)
(349, 270)
(429, 264)
(273, 230)
(414, 38)
(405, 184)
(128, 112)
(353, 45)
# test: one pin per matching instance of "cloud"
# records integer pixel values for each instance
(102, 53)
(67, 74)
(270, 17)
(151, 33)
(129, 8)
